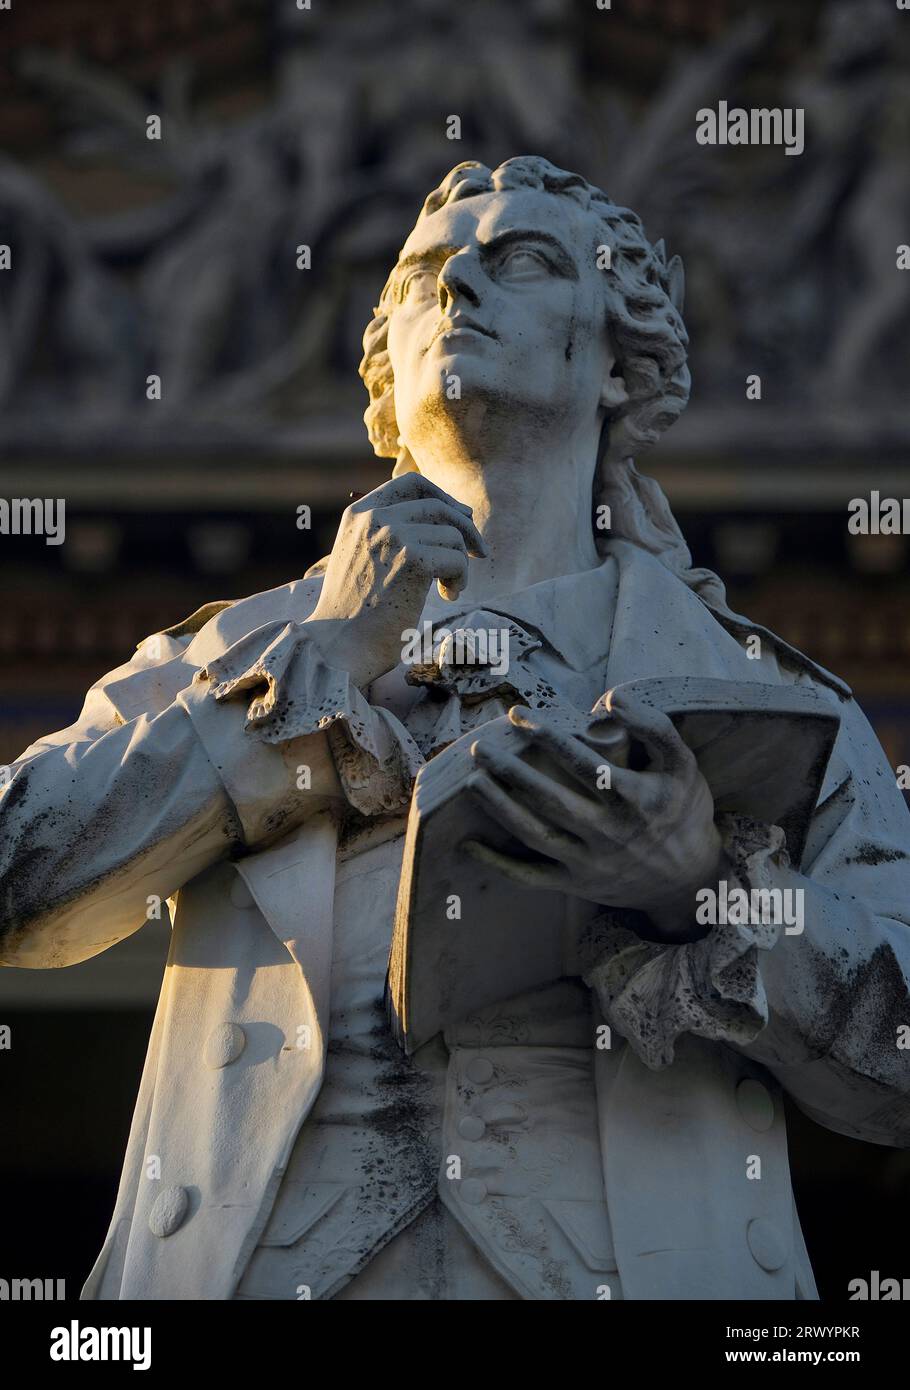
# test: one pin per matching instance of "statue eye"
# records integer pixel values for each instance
(418, 286)
(522, 264)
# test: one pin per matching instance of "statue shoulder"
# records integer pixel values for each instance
(197, 620)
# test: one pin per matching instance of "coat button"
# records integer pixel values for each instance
(240, 894)
(471, 1127)
(168, 1211)
(479, 1069)
(768, 1249)
(473, 1191)
(755, 1104)
(225, 1044)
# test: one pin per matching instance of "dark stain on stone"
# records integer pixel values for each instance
(862, 1011)
(870, 853)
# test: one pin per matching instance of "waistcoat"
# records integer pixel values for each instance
(498, 1120)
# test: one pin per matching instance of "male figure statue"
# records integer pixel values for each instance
(254, 765)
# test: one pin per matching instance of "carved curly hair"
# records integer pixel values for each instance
(644, 297)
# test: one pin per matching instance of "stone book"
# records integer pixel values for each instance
(466, 936)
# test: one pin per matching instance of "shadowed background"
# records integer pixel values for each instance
(284, 127)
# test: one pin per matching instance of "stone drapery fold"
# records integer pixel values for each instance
(653, 993)
(295, 692)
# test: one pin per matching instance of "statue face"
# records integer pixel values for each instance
(502, 292)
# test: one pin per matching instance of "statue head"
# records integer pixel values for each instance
(637, 300)
(614, 348)
(627, 366)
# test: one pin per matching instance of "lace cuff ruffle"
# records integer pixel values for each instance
(296, 692)
(652, 993)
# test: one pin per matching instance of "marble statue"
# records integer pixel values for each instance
(254, 767)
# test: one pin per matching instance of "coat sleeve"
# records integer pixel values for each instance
(837, 1034)
(821, 999)
(159, 778)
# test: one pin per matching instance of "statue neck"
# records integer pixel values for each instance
(536, 521)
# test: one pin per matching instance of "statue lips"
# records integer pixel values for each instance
(462, 328)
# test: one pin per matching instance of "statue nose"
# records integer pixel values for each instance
(454, 284)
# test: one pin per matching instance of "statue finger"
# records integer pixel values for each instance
(549, 797)
(520, 821)
(651, 727)
(575, 757)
